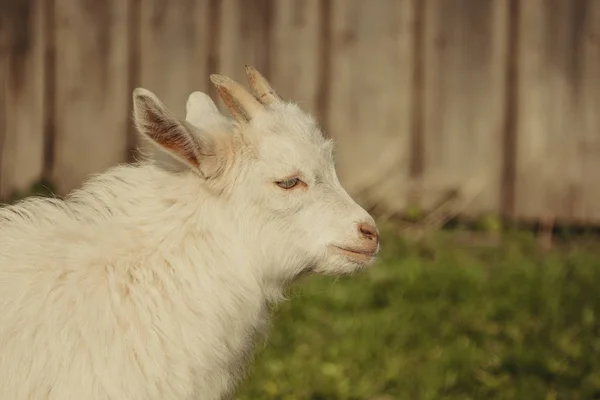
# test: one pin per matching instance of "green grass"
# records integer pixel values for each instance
(440, 321)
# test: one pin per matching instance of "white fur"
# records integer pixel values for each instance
(153, 282)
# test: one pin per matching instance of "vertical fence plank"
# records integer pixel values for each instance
(5, 50)
(174, 50)
(92, 96)
(244, 38)
(589, 113)
(174, 39)
(370, 97)
(558, 146)
(22, 142)
(465, 62)
(352, 61)
(295, 51)
(4, 55)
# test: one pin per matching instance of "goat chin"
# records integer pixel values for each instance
(152, 281)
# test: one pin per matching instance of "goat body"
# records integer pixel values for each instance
(153, 280)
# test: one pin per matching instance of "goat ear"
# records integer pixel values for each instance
(203, 113)
(157, 123)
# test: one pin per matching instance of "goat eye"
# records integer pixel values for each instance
(288, 183)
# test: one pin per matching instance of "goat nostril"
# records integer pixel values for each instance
(368, 231)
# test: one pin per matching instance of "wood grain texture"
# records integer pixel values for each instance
(22, 103)
(244, 38)
(465, 50)
(370, 97)
(295, 51)
(92, 99)
(173, 51)
(174, 42)
(558, 140)
(495, 99)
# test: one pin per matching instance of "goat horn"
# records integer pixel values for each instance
(242, 105)
(261, 87)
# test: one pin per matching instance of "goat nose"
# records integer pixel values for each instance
(369, 232)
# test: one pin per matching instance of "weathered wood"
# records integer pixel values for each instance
(464, 96)
(558, 141)
(589, 113)
(243, 38)
(296, 40)
(417, 93)
(370, 96)
(22, 108)
(174, 42)
(92, 98)
(174, 51)
(5, 50)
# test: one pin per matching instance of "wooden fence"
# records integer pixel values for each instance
(497, 99)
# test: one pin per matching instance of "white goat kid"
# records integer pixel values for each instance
(152, 281)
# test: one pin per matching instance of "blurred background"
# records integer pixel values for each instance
(470, 128)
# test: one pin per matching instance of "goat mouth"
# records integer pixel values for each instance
(356, 254)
